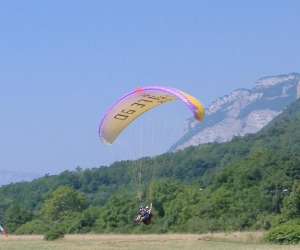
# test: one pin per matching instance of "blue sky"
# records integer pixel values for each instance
(64, 62)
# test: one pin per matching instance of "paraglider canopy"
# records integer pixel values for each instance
(134, 104)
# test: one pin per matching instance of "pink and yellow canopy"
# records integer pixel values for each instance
(134, 104)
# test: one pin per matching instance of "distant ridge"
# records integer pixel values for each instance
(243, 111)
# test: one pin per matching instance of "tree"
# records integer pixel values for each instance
(291, 204)
(16, 216)
(62, 202)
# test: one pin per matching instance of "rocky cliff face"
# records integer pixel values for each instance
(243, 111)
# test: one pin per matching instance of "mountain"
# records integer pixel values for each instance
(243, 111)
(8, 176)
(251, 182)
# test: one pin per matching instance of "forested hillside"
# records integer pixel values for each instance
(248, 183)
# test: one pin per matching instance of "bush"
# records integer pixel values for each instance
(54, 234)
(32, 227)
(266, 221)
(284, 234)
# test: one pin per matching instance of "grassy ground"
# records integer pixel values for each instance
(221, 241)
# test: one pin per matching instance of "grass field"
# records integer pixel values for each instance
(221, 241)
